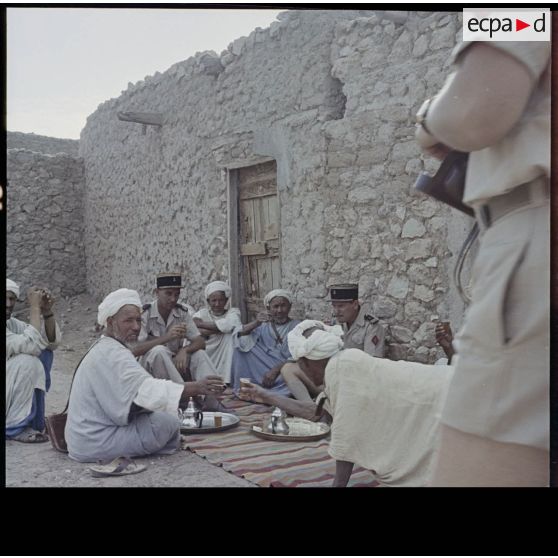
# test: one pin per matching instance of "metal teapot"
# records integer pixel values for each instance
(277, 423)
(192, 417)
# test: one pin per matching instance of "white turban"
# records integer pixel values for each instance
(12, 286)
(217, 286)
(322, 343)
(114, 301)
(277, 292)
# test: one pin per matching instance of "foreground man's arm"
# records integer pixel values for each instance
(303, 409)
(343, 471)
(163, 395)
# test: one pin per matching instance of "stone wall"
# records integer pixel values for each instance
(44, 205)
(402, 244)
(331, 96)
(41, 144)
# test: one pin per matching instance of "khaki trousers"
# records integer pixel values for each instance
(497, 408)
(158, 362)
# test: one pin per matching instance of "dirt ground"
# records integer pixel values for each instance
(39, 465)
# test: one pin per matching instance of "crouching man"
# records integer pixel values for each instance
(385, 414)
(28, 362)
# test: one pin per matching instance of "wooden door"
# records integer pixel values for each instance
(259, 231)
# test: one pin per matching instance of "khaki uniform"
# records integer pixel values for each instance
(500, 390)
(158, 360)
(366, 334)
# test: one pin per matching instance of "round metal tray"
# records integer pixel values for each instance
(296, 426)
(208, 424)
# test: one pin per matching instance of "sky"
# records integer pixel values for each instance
(63, 62)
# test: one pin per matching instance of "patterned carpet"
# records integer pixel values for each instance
(265, 462)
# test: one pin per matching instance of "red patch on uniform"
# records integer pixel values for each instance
(375, 339)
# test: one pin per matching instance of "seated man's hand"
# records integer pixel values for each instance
(270, 377)
(252, 392)
(211, 385)
(47, 301)
(263, 317)
(182, 361)
(444, 335)
(35, 296)
(177, 331)
(205, 332)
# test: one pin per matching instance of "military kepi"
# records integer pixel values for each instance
(169, 281)
(346, 292)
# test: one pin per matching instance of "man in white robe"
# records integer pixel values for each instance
(386, 414)
(29, 358)
(116, 407)
(217, 324)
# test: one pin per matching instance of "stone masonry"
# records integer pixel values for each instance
(41, 144)
(331, 97)
(45, 221)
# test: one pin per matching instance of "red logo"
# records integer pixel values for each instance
(519, 25)
(375, 339)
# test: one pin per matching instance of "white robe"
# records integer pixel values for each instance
(219, 346)
(386, 415)
(102, 422)
(24, 370)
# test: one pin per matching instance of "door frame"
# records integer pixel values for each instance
(236, 279)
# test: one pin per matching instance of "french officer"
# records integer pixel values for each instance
(361, 329)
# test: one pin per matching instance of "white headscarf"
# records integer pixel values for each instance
(322, 343)
(217, 286)
(114, 301)
(277, 292)
(12, 286)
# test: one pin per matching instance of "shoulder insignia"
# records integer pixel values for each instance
(181, 307)
(146, 307)
(375, 340)
(371, 319)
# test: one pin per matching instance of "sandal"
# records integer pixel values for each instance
(30, 436)
(116, 468)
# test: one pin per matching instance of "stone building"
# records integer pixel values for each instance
(45, 210)
(287, 160)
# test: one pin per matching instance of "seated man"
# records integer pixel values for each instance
(162, 347)
(261, 349)
(116, 407)
(385, 419)
(360, 330)
(217, 324)
(161, 344)
(28, 362)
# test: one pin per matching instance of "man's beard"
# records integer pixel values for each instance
(117, 334)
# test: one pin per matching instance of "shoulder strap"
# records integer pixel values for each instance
(73, 377)
(370, 318)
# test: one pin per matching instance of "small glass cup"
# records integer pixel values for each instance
(218, 419)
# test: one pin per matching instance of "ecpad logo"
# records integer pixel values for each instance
(506, 25)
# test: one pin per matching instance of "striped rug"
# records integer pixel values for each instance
(268, 463)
